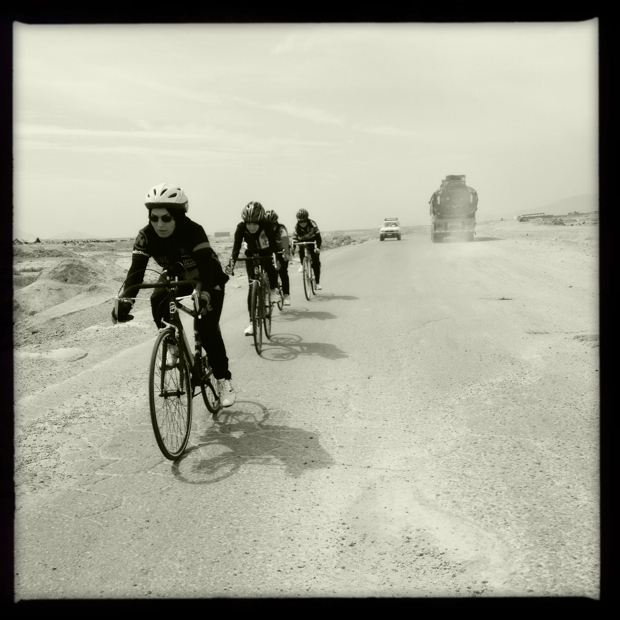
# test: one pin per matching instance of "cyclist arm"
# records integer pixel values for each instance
(140, 256)
(237, 241)
(271, 236)
(285, 242)
(207, 262)
(318, 240)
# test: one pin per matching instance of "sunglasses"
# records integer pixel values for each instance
(164, 218)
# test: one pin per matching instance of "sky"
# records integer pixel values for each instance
(353, 122)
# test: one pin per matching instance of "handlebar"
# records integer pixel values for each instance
(167, 284)
(255, 258)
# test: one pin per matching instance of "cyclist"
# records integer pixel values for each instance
(259, 239)
(181, 246)
(283, 245)
(307, 230)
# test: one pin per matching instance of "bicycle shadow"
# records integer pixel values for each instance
(286, 347)
(242, 436)
(295, 314)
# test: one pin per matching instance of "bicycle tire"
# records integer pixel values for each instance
(257, 318)
(306, 276)
(170, 397)
(281, 298)
(267, 307)
(208, 387)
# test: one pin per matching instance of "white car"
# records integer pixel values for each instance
(390, 228)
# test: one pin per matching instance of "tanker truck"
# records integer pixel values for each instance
(453, 209)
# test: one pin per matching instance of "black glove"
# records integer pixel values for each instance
(120, 312)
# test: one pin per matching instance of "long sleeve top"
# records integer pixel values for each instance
(263, 241)
(311, 233)
(186, 253)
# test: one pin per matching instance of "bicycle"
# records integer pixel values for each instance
(260, 299)
(308, 273)
(175, 373)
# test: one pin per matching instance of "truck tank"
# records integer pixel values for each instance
(453, 209)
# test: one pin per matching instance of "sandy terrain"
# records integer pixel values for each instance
(431, 435)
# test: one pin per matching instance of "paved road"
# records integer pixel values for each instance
(426, 426)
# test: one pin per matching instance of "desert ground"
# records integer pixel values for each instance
(427, 425)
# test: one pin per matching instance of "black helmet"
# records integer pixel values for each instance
(253, 212)
(271, 216)
(302, 214)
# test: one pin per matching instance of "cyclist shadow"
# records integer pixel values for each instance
(285, 347)
(242, 436)
(294, 314)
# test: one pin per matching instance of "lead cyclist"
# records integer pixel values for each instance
(181, 247)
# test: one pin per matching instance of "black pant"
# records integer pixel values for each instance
(286, 284)
(208, 326)
(316, 262)
(271, 273)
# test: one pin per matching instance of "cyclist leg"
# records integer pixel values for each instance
(316, 266)
(286, 284)
(272, 273)
(302, 253)
(211, 336)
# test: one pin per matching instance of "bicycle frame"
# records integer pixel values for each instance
(260, 313)
(174, 305)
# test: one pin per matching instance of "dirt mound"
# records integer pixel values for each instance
(75, 270)
(38, 251)
(85, 280)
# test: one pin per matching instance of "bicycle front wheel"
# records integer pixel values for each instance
(257, 317)
(170, 395)
(307, 277)
(267, 308)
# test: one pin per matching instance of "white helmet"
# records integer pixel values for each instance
(168, 196)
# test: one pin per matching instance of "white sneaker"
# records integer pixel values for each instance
(318, 287)
(249, 330)
(226, 392)
(301, 268)
(287, 300)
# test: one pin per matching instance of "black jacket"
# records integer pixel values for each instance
(186, 253)
(263, 241)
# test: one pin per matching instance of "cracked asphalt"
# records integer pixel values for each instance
(426, 426)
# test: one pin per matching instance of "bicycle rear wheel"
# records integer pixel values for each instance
(306, 275)
(267, 308)
(257, 317)
(208, 387)
(170, 396)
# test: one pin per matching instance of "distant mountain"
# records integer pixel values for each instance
(73, 234)
(583, 203)
(23, 236)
